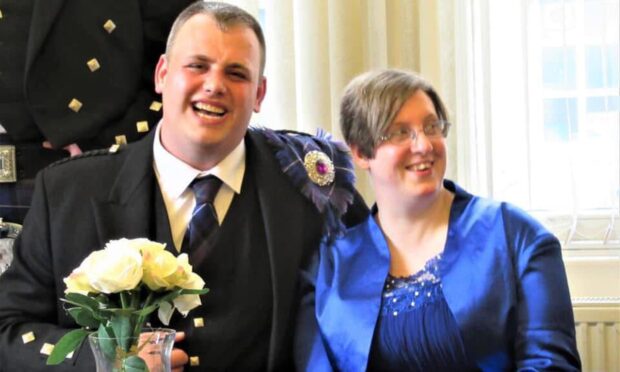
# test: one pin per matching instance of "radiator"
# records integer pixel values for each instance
(595, 291)
(598, 335)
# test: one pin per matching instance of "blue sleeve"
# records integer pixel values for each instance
(545, 336)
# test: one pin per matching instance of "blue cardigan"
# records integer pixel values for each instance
(503, 279)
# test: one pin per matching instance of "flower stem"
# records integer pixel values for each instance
(149, 299)
(135, 298)
(141, 318)
(124, 300)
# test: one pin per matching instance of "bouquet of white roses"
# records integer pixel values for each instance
(115, 289)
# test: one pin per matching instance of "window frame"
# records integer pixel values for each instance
(584, 230)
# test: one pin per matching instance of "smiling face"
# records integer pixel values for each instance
(210, 84)
(414, 169)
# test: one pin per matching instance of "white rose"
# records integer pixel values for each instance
(116, 268)
(160, 266)
(183, 271)
(125, 243)
(138, 243)
(164, 313)
(185, 303)
(77, 282)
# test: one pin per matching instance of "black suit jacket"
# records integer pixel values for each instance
(68, 220)
(63, 36)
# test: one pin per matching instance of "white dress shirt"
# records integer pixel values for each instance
(174, 177)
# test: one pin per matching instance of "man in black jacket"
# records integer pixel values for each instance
(281, 193)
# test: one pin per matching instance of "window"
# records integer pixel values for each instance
(548, 76)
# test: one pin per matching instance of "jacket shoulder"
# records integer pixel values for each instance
(91, 155)
(319, 167)
(484, 214)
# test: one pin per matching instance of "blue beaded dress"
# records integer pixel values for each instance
(416, 330)
(498, 291)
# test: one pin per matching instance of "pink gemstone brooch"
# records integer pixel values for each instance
(319, 167)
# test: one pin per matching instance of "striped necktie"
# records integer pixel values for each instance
(204, 217)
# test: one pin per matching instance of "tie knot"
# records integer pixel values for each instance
(205, 189)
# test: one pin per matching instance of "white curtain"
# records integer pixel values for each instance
(315, 47)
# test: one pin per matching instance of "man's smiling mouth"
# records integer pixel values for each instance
(205, 109)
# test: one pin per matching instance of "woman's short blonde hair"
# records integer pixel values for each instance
(371, 102)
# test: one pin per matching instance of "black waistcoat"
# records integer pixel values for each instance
(237, 311)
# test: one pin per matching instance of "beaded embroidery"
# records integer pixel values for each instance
(404, 294)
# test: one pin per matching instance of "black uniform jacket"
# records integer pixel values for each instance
(87, 73)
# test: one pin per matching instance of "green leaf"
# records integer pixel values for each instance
(118, 311)
(84, 317)
(68, 343)
(135, 364)
(147, 310)
(109, 314)
(194, 291)
(102, 299)
(170, 296)
(79, 299)
(123, 329)
(107, 341)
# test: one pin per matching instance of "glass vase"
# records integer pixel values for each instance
(149, 352)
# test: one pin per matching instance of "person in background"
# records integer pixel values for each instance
(279, 193)
(435, 279)
(74, 76)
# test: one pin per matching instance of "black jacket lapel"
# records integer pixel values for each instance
(280, 204)
(128, 210)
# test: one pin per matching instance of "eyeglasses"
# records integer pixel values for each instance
(402, 135)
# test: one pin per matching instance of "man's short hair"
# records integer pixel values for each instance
(225, 16)
(371, 102)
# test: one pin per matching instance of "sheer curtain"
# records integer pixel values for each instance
(315, 47)
(477, 53)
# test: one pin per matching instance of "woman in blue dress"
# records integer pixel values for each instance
(436, 279)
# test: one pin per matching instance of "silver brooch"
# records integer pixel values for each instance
(319, 167)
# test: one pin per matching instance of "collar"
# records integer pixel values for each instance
(175, 176)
